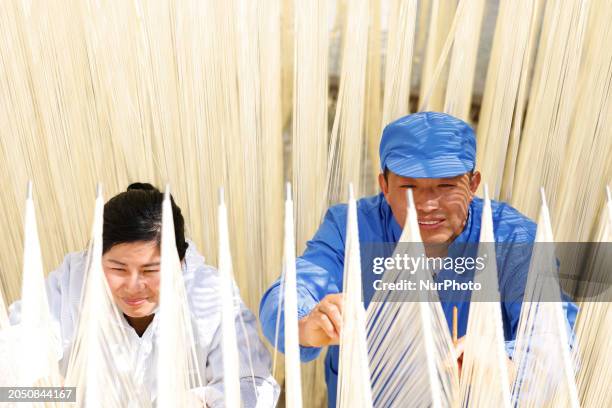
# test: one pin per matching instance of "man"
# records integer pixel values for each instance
(434, 155)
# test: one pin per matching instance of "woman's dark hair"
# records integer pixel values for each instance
(136, 215)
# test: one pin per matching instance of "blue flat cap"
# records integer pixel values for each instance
(428, 145)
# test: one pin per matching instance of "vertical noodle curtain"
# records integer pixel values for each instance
(204, 94)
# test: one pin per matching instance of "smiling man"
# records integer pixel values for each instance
(434, 155)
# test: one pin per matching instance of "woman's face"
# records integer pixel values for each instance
(132, 272)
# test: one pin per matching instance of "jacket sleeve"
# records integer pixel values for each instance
(257, 386)
(319, 273)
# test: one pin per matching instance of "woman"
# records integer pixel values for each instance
(131, 263)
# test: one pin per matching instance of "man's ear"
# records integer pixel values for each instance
(384, 187)
(475, 182)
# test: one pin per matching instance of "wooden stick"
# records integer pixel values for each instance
(455, 332)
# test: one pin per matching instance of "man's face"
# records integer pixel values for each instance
(132, 272)
(441, 203)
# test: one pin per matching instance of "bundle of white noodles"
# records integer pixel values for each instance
(293, 378)
(30, 349)
(177, 365)
(545, 371)
(484, 374)
(99, 364)
(593, 328)
(354, 383)
(410, 349)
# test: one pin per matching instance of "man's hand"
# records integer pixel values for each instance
(322, 326)
(459, 350)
